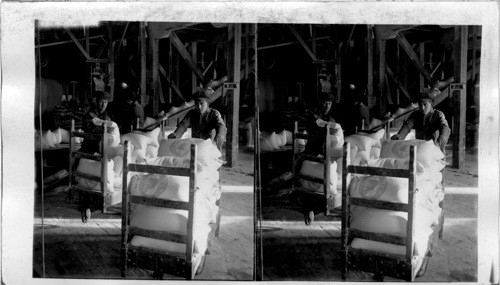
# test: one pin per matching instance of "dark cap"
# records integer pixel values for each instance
(326, 96)
(202, 95)
(426, 96)
(104, 96)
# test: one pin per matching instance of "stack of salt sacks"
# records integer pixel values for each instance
(316, 169)
(49, 139)
(428, 194)
(114, 164)
(176, 153)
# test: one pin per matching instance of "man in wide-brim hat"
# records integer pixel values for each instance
(205, 122)
(429, 123)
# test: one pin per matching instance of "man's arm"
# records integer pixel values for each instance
(220, 128)
(444, 130)
(139, 112)
(406, 128)
(182, 127)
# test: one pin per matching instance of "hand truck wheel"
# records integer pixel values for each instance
(309, 218)
(86, 213)
(202, 264)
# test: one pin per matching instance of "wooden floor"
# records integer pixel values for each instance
(73, 249)
(294, 251)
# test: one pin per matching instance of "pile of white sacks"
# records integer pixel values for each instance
(153, 148)
(375, 151)
(50, 139)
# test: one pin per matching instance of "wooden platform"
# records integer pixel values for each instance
(73, 249)
(295, 251)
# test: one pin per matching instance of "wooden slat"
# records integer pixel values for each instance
(187, 57)
(161, 235)
(149, 251)
(378, 237)
(155, 169)
(384, 205)
(191, 209)
(378, 171)
(127, 149)
(86, 135)
(86, 190)
(87, 176)
(309, 157)
(413, 57)
(158, 202)
(302, 136)
(87, 155)
(310, 178)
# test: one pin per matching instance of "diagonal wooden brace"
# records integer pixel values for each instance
(187, 57)
(413, 57)
(303, 43)
(80, 47)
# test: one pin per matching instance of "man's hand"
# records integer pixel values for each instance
(320, 123)
(395, 137)
(218, 141)
(172, 136)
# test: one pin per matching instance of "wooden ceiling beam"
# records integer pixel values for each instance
(187, 57)
(75, 40)
(398, 83)
(172, 84)
(304, 45)
(413, 57)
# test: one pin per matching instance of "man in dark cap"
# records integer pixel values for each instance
(205, 122)
(93, 122)
(133, 116)
(358, 116)
(429, 123)
(317, 120)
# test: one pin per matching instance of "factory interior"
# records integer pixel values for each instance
(266, 223)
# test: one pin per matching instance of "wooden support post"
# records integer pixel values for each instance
(111, 66)
(142, 39)
(398, 72)
(170, 63)
(421, 52)
(194, 54)
(87, 39)
(474, 52)
(153, 42)
(369, 53)
(233, 95)
(381, 77)
(459, 96)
